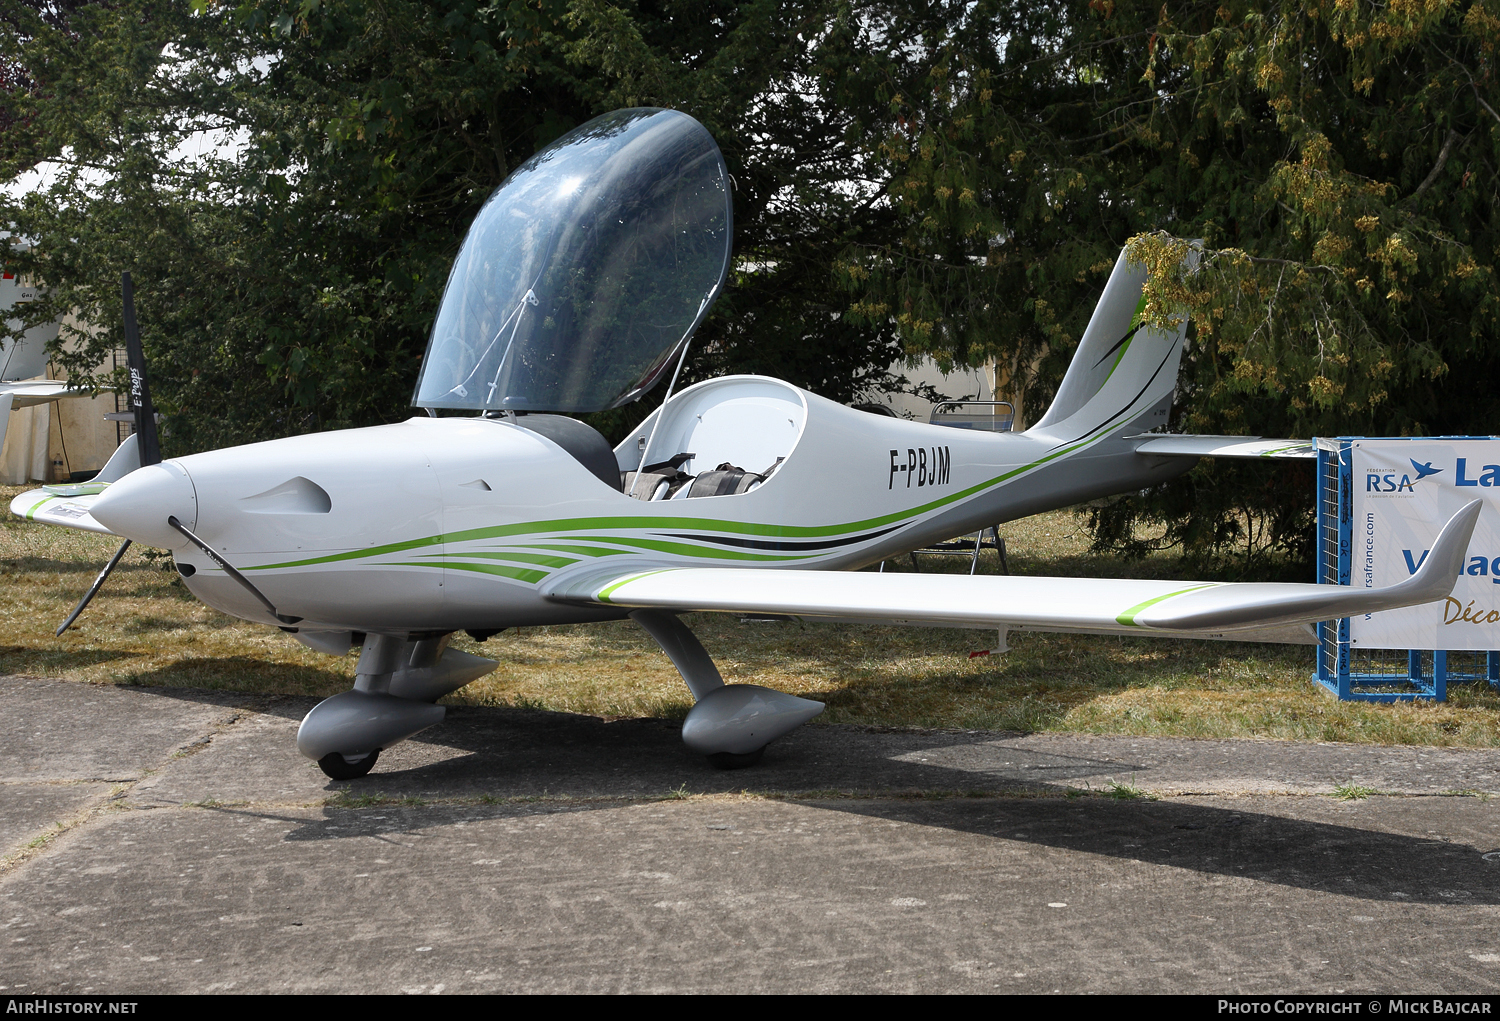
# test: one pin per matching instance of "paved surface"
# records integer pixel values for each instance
(160, 840)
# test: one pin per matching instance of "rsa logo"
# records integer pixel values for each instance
(923, 466)
(1381, 481)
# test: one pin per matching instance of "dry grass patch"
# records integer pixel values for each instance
(145, 628)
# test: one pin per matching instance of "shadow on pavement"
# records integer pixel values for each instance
(21, 659)
(520, 754)
(1215, 840)
(1210, 840)
(165, 682)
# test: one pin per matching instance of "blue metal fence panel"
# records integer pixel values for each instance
(1349, 674)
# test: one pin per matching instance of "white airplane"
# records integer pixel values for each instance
(24, 359)
(577, 288)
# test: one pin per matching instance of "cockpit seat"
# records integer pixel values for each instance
(725, 480)
(647, 485)
(667, 480)
(580, 439)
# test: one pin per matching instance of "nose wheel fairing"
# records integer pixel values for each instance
(356, 723)
(396, 683)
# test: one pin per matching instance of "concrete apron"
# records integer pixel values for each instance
(160, 840)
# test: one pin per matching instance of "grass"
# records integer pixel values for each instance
(1127, 791)
(1352, 791)
(145, 628)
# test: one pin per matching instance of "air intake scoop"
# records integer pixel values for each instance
(294, 496)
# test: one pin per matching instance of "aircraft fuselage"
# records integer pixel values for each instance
(436, 525)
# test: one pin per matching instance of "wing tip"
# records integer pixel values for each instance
(1445, 563)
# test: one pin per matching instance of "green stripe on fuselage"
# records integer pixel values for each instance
(539, 559)
(707, 525)
(518, 573)
(583, 551)
(682, 549)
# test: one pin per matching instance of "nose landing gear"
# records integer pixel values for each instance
(395, 684)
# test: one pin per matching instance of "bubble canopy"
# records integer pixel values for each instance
(586, 272)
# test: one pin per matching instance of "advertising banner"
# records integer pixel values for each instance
(1403, 493)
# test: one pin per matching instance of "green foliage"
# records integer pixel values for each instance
(952, 178)
(1337, 161)
(1127, 791)
(286, 281)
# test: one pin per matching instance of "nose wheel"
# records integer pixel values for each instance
(352, 768)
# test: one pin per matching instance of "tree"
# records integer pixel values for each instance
(287, 278)
(1337, 160)
(945, 177)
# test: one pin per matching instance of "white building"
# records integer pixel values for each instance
(51, 440)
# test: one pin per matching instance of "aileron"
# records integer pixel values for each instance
(1228, 446)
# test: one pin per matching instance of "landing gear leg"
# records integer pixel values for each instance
(395, 685)
(346, 733)
(732, 723)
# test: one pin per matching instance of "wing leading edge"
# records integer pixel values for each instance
(1112, 605)
(26, 394)
(68, 505)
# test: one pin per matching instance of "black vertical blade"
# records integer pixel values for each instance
(225, 566)
(140, 395)
(94, 588)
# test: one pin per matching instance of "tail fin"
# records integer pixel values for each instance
(1123, 373)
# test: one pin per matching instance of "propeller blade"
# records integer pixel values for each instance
(224, 565)
(94, 588)
(140, 395)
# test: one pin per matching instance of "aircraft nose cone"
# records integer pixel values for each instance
(137, 507)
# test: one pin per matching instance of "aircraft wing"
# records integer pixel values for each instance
(24, 394)
(68, 505)
(1206, 609)
(50, 506)
(1227, 446)
(39, 391)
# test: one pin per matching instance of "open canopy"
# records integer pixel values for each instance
(586, 271)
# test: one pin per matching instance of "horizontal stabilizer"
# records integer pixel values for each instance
(1226, 446)
(1113, 605)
